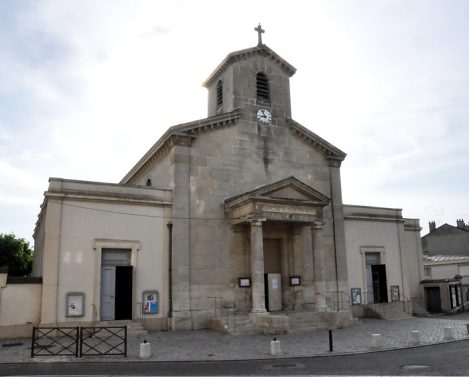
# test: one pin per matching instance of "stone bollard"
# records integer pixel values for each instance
(145, 351)
(448, 333)
(275, 347)
(415, 337)
(375, 341)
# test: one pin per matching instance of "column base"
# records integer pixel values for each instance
(259, 311)
(320, 302)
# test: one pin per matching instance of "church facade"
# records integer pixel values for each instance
(241, 211)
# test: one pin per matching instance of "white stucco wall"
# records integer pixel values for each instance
(92, 216)
(20, 304)
(82, 227)
(372, 229)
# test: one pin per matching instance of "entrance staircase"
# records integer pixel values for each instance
(301, 321)
(389, 311)
(134, 328)
(242, 324)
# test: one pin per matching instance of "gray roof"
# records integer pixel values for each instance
(445, 258)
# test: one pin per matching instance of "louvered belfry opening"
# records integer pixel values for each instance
(219, 93)
(262, 86)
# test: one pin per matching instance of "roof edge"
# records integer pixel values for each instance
(333, 153)
(185, 130)
(261, 49)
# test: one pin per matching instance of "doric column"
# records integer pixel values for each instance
(308, 267)
(319, 266)
(257, 267)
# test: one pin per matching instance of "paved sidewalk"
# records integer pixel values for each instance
(211, 345)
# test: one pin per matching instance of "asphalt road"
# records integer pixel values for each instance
(451, 359)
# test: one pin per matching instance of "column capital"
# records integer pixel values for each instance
(257, 221)
(317, 224)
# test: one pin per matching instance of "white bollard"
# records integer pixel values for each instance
(448, 333)
(145, 351)
(375, 341)
(415, 337)
(275, 347)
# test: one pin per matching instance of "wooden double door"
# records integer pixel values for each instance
(116, 285)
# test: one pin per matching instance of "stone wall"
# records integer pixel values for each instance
(20, 306)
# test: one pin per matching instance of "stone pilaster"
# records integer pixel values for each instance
(181, 248)
(339, 227)
(257, 267)
(51, 269)
(319, 265)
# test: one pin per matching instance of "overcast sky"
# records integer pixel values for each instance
(86, 87)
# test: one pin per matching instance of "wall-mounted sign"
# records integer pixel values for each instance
(244, 282)
(150, 302)
(356, 294)
(395, 296)
(295, 280)
(75, 304)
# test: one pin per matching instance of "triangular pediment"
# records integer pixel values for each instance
(261, 50)
(289, 190)
(288, 200)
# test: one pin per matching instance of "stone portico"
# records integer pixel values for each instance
(292, 211)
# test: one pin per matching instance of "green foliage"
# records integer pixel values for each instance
(16, 254)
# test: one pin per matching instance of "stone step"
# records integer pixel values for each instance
(307, 321)
(298, 321)
(388, 311)
(134, 328)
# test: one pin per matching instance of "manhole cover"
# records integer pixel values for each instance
(407, 367)
(284, 366)
(12, 345)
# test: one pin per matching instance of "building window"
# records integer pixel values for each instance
(427, 272)
(148, 182)
(219, 94)
(262, 87)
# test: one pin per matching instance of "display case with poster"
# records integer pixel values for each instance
(150, 302)
(75, 304)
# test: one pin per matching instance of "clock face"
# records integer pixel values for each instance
(264, 116)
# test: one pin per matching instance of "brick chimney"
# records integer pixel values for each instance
(460, 224)
(432, 226)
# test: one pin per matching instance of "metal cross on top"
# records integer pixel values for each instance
(259, 33)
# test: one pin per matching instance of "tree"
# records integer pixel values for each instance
(16, 254)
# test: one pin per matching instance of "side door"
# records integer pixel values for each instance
(108, 291)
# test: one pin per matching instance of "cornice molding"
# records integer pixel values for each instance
(371, 217)
(235, 56)
(333, 154)
(111, 198)
(182, 135)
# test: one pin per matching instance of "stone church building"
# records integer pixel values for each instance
(239, 213)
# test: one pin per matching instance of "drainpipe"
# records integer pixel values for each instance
(333, 212)
(170, 270)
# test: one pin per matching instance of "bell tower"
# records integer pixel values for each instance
(256, 80)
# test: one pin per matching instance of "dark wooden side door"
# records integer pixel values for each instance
(380, 289)
(123, 296)
(433, 299)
